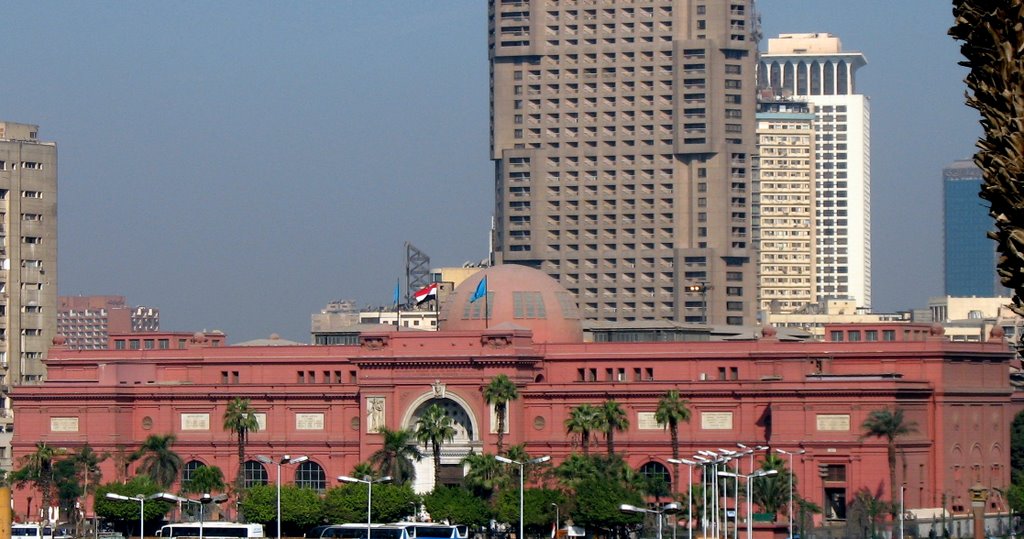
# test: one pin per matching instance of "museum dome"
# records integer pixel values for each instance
(517, 297)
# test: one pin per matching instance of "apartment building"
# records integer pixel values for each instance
(28, 263)
(622, 136)
(86, 322)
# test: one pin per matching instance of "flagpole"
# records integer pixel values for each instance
(487, 308)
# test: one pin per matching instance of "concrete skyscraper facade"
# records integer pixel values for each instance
(28, 263)
(814, 67)
(970, 256)
(622, 136)
(784, 205)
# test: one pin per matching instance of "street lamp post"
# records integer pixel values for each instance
(555, 505)
(286, 459)
(903, 487)
(792, 475)
(366, 480)
(521, 465)
(704, 492)
(667, 508)
(750, 503)
(142, 508)
(689, 495)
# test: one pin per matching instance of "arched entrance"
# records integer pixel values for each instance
(467, 439)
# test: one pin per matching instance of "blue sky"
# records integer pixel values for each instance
(240, 164)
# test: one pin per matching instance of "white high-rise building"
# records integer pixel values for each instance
(814, 67)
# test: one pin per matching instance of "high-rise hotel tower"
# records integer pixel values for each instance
(814, 67)
(622, 135)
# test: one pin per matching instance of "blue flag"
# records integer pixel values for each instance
(481, 290)
(397, 291)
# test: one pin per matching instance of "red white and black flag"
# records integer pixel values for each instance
(426, 293)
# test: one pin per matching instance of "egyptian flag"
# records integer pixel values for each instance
(426, 293)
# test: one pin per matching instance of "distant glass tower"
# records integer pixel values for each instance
(970, 257)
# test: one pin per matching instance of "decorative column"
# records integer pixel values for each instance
(979, 497)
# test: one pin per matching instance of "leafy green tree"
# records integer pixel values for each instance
(485, 474)
(499, 393)
(613, 418)
(771, 493)
(583, 421)
(1015, 497)
(204, 480)
(575, 469)
(890, 425)
(531, 472)
(396, 456)
(347, 503)
(363, 469)
(538, 513)
(126, 514)
(992, 42)
(1017, 448)
(597, 505)
(69, 487)
(240, 419)
(456, 504)
(435, 428)
(301, 508)
(36, 469)
(671, 411)
(159, 461)
(864, 514)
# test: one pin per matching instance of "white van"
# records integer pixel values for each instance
(31, 530)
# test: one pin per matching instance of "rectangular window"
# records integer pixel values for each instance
(837, 336)
(164, 344)
(301, 377)
(649, 374)
(119, 344)
(181, 344)
(888, 335)
(854, 336)
(223, 377)
(734, 373)
(871, 335)
(235, 377)
(133, 344)
(31, 194)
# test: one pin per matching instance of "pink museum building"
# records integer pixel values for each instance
(327, 402)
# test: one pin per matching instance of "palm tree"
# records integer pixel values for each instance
(992, 40)
(485, 474)
(240, 419)
(771, 493)
(613, 418)
(434, 428)
(36, 468)
(671, 411)
(583, 420)
(889, 425)
(159, 461)
(395, 457)
(499, 392)
(363, 469)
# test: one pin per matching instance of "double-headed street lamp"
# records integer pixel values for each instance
(792, 474)
(286, 459)
(750, 491)
(667, 508)
(366, 480)
(689, 495)
(521, 465)
(202, 501)
(142, 507)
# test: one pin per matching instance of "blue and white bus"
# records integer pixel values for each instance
(211, 530)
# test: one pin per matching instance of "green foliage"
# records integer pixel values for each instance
(485, 474)
(1017, 448)
(396, 456)
(771, 493)
(68, 485)
(575, 469)
(866, 511)
(127, 512)
(499, 392)
(363, 469)
(538, 512)
(36, 469)
(204, 480)
(612, 419)
(889, 425)
(301, 508)
(240, 419)
(347, 503)
(1015, 496)
(433, 429)
(598, 501)
(456, 504)
(159, 461)
(583, 420)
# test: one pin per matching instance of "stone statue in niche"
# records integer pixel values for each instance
(374, 414)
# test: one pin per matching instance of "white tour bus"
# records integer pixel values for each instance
(31, 531)
(211, 530)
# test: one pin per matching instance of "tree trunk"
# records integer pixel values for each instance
(500, 411)
(611, 442)
(891, 450)
(673, 430)
(437, 464)
(585, 440)
(241, 460)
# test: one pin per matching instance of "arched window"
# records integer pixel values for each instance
(310, 475)
(189, 468)
(253, 473)
(658, 482)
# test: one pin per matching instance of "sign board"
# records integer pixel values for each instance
(716, 420)
(195, 421)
